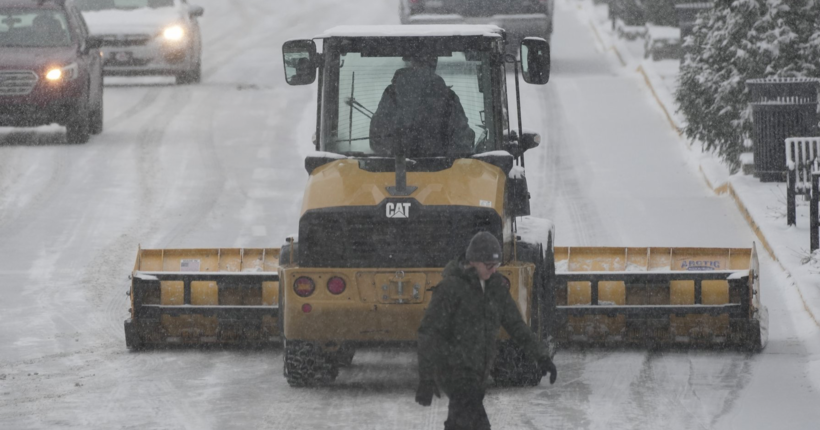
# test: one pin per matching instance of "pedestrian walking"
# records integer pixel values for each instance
(457, 336)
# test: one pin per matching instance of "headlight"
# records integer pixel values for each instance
(67, 73)
(174, 33)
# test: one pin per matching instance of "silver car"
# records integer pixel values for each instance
(147, 37)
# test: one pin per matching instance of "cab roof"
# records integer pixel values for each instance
(432, 30)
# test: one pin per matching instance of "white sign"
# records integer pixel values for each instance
(398, 210)
(189, 266)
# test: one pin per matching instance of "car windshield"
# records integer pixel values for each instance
(33, 28)
(397, 96)
(92, 5)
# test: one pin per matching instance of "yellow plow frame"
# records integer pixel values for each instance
(204, 296)
(657, 297)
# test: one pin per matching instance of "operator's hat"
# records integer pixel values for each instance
(484, 247)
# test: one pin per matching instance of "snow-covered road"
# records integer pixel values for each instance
(221, 165)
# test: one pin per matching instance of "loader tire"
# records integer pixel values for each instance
(513, 369)
(543, 298)
(306, 365)
(344, 356)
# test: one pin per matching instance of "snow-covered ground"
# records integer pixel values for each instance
(764, 204)
(220, 165)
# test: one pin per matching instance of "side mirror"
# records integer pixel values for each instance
(529, 141)
(300, 61)
(535, 60)
(196, 11)
(93, 43)
(518, 147)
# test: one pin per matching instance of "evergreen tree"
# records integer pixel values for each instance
(735, 41)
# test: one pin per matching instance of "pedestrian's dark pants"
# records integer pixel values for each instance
(466, 410)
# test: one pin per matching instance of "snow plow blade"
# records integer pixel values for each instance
(202, 296)
(658, 297)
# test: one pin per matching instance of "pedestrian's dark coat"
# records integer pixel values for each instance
(457, 336)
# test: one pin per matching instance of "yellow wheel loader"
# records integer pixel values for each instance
(383, 213)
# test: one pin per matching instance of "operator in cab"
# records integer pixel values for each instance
(419, 115)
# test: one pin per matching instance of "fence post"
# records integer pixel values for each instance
(814, 212)
(791, 197)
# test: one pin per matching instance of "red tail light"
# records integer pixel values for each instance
(306, 308)
(304, 286)
(336, 285)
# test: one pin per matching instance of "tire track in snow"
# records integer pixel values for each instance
(672, 387)
(103, 276)
(143, 104)
(562, 186)
(210, 172)
(104, 268)
(56, 169)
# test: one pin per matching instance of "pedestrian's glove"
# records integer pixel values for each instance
(545, 365)
(424, 394)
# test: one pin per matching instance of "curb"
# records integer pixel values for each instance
(749, 220)
(651, 87)
(612, 48)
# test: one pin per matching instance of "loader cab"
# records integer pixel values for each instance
(361, 75)
(360, 66)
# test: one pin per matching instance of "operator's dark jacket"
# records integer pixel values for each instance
(457, 336)
(421, 114)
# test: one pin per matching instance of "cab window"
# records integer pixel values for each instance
(359, 81)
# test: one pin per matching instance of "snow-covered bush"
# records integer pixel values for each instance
(736, 41)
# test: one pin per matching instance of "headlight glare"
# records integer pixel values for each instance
(174, 33)
(54, 75)
(60, 74)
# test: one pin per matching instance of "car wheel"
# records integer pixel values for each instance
(95, 120)
(77, 129)
(193, 76)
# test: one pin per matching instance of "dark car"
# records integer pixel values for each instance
(50, 69)
(521, 18)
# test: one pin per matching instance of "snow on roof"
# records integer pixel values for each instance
(432, 30)
(130, 21)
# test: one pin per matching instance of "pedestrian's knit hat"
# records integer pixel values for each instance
(484, 247)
